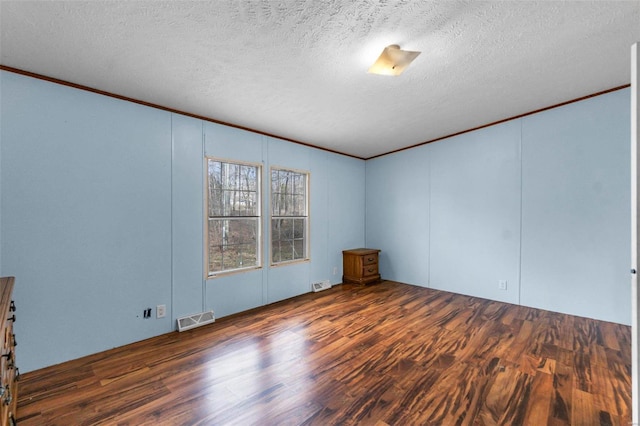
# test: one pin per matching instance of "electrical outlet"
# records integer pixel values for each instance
(161, 311)
(502, 284)
(335, 270)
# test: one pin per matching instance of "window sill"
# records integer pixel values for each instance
(232, 272)
(289, 262)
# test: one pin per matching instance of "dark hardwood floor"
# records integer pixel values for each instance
(385, 354)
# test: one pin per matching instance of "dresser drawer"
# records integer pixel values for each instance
(370, 259)
(370, 270)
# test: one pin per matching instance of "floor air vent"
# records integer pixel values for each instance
(321, 285)
(197, 320)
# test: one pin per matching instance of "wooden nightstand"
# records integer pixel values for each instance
(360, 266)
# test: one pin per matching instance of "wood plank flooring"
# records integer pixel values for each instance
(385, 354)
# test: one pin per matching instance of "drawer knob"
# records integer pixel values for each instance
(12, 307)
(371, 259)
(370, 270)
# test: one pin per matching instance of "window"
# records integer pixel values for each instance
(289, 215)
(234, 206)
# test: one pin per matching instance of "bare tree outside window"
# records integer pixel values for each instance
(234, 216)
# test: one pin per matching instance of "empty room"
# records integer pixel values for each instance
(299, 212)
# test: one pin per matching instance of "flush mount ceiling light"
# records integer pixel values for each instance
(392, 61)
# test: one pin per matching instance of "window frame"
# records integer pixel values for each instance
(259, 218)
(307, 217)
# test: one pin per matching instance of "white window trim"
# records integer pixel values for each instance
(307, 241)
(260, 239)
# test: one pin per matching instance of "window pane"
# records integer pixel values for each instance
(298, 249)
(241, 231)
(282, 240)
(286, 250)
(215, 232)
(215, 188)
(291, 206)
(248, 178)
(215, 202)
(224, 175)
(275, 251)
(248, 255)
(229, 258)
(298, 228)
(232, 244)
(277, 203)
(299, 205)
(234, 203)
(215, 174)
(248, 203)
(275, 179)
(229, 174)
(275, 230)
(288, 193)
(215, 258)
(286, 229)
(233, 190)
(227, 201)
(301, 187)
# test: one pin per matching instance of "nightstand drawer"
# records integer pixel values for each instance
(370, 259)
(370, 270)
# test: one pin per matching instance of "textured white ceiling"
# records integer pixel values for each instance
(298, 68)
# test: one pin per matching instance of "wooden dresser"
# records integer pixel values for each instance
(360, 266)
(9, 373)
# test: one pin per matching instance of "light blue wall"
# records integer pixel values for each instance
(397, 214)
(344, 172)
(187, 189)
(541, 202)
(102, 216)
(576, 208)
(475, 212)
(86, 220)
